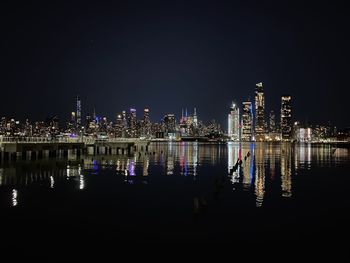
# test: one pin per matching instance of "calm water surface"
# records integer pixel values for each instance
(180, 194)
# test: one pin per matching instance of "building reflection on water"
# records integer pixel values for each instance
(259, 155)
(286, 170)
(262, 164)
(14, 197)
(259, 160)
(267, 159)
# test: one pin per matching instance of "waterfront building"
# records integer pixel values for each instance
(259, 112)
(304, 135)
(233, 123)
(286, 118)
(247, 121)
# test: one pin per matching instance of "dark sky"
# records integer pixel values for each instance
(166, 55)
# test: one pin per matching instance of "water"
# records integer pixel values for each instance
(179, 194)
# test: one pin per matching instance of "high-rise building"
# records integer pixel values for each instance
(170, 123)
(195, 118)
(189, 124)
(71, 125)
(132, 125)
(72, 117)
(303, 134)
(78, 112)
(259, 112)
(272, 122)
(119, 127)
(146, 114)
(125, 122)
(286, 117)
(146, 123)
(233, 123)
(183, 124)
(247, 121)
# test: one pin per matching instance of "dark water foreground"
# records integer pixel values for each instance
(180, 195)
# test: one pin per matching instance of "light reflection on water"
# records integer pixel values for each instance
(14, 197)
(261, 163)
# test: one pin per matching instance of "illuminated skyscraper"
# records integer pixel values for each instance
(286, 117)
(247, 121)
(233, 123)
(78, 112)
(73, 117)
(125, 122)
(146, 114)
(119, 120)
(146, 123)
(259, 112)
(169, 122)
(272, 122)
(183, 124)
(132, 125)
(195, 118)
(189, 124)
(119, 126)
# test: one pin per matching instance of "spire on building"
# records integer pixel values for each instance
(94, 114)
(195, 120)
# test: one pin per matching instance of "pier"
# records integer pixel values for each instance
(12, 148)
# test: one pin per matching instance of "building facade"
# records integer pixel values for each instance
(132, 124)
(233, 131)
(259, 112)
(286, 118)
(247, 121)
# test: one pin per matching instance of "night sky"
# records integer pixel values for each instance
(168, 55)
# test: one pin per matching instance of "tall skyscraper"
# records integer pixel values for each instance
(195, 118)
(73, 117)
(146, 123)
(78, 112)
(132, 123)
(125, 122)
(247, 121)
(233, 123)
(169, 122)
(119, 126)
(286, 117)
(146, 114)
(272, 122)
(259, 112)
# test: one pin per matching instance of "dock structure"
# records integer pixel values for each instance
(12, 148)
(116, 146)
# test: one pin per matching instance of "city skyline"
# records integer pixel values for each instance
(263, 123)
(251, 125)
(222, 119)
